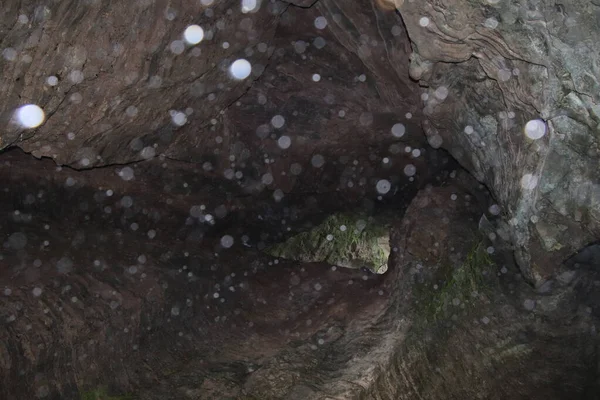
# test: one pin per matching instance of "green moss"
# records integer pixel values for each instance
(101, 394)
(459, 284)
(346, 240)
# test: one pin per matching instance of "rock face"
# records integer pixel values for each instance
(513, 92)
(347, 240)
(182, 139)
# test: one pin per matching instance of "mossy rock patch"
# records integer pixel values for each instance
(345, 240)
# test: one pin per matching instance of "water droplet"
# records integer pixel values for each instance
(317, 161)
(491, 23)
(320, 22)
(250, 6)
(441, 93)
(383, 186)
(277, 121)
(177, 47)
(179, 118)
(52, 80)
(535, 129)
(284, 142)
(529, 304)
(529, 182)
(30, 116)
(410, 170)
(76, 76)
(494, 209)
(240, 69)
(193, 34)
(127, 174)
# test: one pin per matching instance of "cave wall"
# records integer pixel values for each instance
(488, 69)
(117, 267)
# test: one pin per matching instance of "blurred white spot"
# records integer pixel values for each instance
(398, 130)
(453, 197)
(424, 96)
(383, 186)
(76, 98)
(441, 93)
(193, 34)
(207, 2)
(365, 119)
(317, 161)
(410, 170)
(329, 237)
(17, 240)
(227, 241)
(424, 21)
(529, 304)
(468, 129)
(319, 42)
(131, 111)
(52, 80)
(267, 179)
(278, 195)
(179, 118)
(504, 75)
(155, 82)
(320, 22)
(435, 141)
(76, 76)
(175, 311)
(225, 45)
(151, 234)
(126, 201)
(64, 265)
(529, 182)
(30, 116)
(284, 142)
(408, 115)
(318, 286)
(250, 6)
(148, 152)
(9, 54)
(277, 121)
(416, 153)
(296, 169)
(126, 174)
(316, 77)
(177, 47)
(494, 209)
(23, 19)
(535, 129)
(240, 69)
(491, 23)
(343, 228)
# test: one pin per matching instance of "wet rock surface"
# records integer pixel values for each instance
(180, 140)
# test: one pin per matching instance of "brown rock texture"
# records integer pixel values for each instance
(132, 217)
